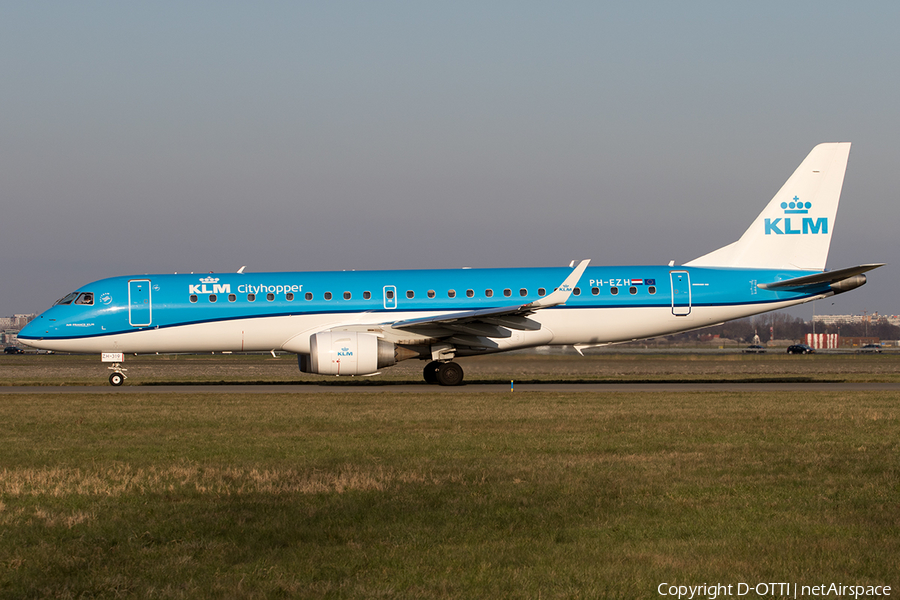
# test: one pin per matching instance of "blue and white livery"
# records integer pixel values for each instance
(359, 322)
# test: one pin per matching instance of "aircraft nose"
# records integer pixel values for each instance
(32, 332)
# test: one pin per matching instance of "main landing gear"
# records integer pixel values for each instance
(443, 373)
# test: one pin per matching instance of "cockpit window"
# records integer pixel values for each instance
(68, 299)
(83, 298)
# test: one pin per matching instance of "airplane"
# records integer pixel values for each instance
(360, 322)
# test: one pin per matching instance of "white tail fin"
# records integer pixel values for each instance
(794, 230)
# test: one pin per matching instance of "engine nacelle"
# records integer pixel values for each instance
(347, 353)
(851, 283)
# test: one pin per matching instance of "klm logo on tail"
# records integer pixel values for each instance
(801, 225)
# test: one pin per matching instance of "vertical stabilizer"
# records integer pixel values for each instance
(794, 231)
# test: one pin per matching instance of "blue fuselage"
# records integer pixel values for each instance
(115, 314)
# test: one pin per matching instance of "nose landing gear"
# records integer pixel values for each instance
(117, 377)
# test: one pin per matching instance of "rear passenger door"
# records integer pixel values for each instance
(681, 293)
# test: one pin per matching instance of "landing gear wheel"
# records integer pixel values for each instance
(116, 379)
(449, 373)
(430, 372)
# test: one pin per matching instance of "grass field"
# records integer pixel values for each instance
(606, 366)
(382, 495)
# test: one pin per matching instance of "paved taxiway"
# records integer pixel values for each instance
(737, 386)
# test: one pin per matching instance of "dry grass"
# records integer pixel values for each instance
(119, 480)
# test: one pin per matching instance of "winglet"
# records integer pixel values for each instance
(562, 293)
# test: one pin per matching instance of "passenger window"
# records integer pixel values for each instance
(410, 294)
(652, 289)
(389, 294)
(308, 295)
(213, 298)
(328, 295)
(367, 295)
(470, 293)
(289, 297)
(632, 290)
(595, 290)
(523, 292)
(542, 292)
(577, 291)
(431, 293)
(451, 293)
(613, 290)
(193, 298)
(347, 295)
(270, 297)
(232, 297)
(251, 297)
(488, 293)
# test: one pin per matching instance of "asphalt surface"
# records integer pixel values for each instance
(663, 387)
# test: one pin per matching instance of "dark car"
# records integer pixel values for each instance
(755, 349)
(800, 349)
(13, 350)
(876, 348)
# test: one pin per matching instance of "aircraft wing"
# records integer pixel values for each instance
(492, 322)
(829, 277)
(472, 327)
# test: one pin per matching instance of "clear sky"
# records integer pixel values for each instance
(203, 136)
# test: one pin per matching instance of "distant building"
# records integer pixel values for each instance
(16, 322)
(858, 342)
(10, 326)
(823, 341)
(872, 318)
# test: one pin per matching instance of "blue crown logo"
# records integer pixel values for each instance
(795, 207)
(344, 349)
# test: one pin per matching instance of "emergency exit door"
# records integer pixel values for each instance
(390, 297)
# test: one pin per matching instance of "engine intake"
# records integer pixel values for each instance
(347, 353)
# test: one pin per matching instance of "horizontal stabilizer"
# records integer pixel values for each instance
(820, 278)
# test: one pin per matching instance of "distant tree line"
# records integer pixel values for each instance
(786, 327)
